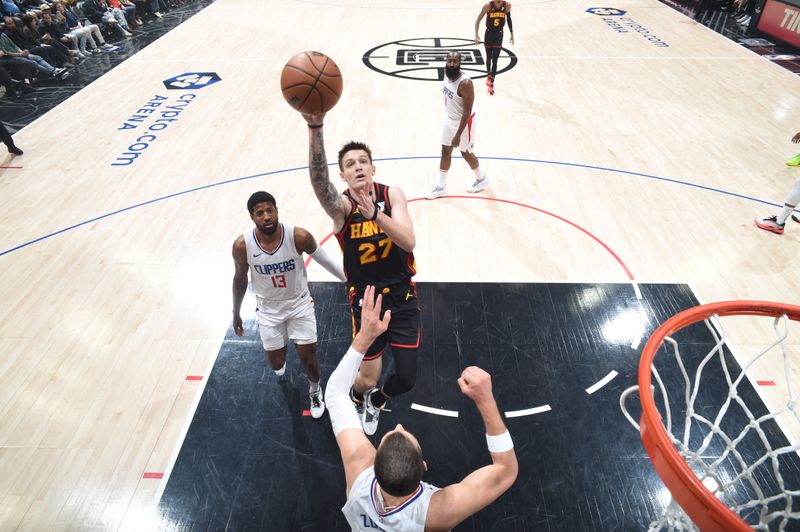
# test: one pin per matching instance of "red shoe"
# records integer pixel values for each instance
(770, 223)
(491, 88)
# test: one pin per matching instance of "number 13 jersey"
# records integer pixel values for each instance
(370, 256)
(277, 275)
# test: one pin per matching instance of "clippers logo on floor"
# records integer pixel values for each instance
(424, 59)
(614, 20)
(191, 81)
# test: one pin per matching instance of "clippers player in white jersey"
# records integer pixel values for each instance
(273, 255)
(459, 127)
(384, 487)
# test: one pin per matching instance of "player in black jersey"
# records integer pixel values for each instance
(497, 12)
(375, 232)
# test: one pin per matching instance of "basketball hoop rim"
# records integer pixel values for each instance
(706, 510)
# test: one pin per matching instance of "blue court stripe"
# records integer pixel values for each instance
(414, 157)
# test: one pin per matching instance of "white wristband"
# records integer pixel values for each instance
(499, 444)
(352, 351)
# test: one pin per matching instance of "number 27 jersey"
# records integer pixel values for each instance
(370, 256)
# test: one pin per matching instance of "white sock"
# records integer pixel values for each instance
(280, 372)
(313, 386)
(442, 178)
(787, 210)
(478, 173)
(791, 202)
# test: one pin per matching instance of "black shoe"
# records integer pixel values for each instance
(15, 150)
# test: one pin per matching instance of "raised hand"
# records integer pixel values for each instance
(314, 119)
(476, 384)
(365, 203)
(372, 325)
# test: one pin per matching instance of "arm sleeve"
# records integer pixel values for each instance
(326, 262)
(510, 26)
(337, 397)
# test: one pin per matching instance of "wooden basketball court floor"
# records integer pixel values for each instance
(615, 161)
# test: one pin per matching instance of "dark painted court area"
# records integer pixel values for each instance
(252, 461)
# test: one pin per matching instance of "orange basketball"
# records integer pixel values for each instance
(311, 82)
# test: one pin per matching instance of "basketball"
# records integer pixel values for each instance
(311, 82)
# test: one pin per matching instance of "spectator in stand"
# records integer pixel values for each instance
(48, 29)
(64, 55)
(744, 11)
(13, 87)
(13, 56)
(24, 41)
(98, 12)
(117, 14)
(29, 5)
(147, 9)
(9, 7)
(127, 9)
(89, 33)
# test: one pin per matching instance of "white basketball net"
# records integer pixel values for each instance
(750, 484)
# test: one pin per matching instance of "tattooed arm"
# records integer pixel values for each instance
(335, 204)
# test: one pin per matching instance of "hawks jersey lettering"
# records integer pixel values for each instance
(496, 17)
(453, 103)
(364, 509)
(370, 256)
(279, 275)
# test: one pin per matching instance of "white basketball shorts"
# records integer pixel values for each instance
(467, 140)
(281, 321)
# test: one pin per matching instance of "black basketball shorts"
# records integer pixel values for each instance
(403, 328)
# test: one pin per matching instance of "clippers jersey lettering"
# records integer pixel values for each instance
(279, 275)
(496, 17)
(364, 509)
(370, 256)
(453, 103)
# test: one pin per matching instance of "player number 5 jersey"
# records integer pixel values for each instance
(496, 18)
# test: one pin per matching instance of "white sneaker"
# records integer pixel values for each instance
(436, 192)
(770, 223)
(370, 414)
(479, 184)
(317, 404)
